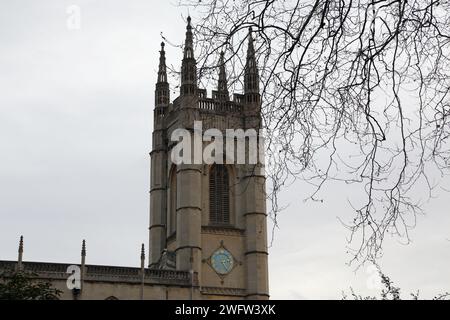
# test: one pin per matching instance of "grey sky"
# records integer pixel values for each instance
(75, 132)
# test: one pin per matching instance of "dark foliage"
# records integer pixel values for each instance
(24, 286)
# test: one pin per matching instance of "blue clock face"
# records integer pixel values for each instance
(222, 261)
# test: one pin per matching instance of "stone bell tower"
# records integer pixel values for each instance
(209, 218)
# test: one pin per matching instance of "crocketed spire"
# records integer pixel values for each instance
(189, 43)
(162, 92)
(222, 86)
(162, 72)
(251, 76)
(188, 65)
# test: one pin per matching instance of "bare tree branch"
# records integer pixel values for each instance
(355, 91)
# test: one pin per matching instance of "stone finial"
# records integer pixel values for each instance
(20, 256)
(83, 263)
(142, 272)
(21, 244)
(83, 248)
(142, 252)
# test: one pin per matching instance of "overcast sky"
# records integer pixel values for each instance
(75, 133)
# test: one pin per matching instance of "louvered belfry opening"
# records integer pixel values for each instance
(219, 195)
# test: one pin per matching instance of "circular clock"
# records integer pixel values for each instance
(222, 261)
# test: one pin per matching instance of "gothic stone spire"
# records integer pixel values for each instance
(189, 65)
(222, 86)
(162, 73)
(251, 76)
(162, 92)
(188, 43)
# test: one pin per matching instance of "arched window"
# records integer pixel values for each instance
(219, 195)
(111, 298)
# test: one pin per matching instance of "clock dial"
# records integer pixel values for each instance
(222, 261)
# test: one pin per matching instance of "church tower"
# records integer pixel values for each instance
(206, 217)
